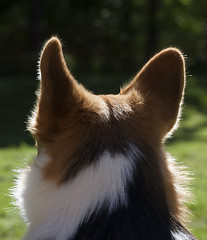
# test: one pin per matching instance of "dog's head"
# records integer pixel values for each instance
(73, 126)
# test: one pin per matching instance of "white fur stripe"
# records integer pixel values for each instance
(56, 212)
(180, 236)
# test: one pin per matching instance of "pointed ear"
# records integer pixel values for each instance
(160, 84)
(57, 92)
(57, 84)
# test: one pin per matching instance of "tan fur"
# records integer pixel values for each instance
(66, 114)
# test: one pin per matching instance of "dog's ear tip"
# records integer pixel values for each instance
(172, 50)
(53, 43)
(173, 54)
(51, 53)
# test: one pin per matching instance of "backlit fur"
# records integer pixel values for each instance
(96, 153)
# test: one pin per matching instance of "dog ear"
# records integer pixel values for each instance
(160, 84)
(58, 91)
(58, 87)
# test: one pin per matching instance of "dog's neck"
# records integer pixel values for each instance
(107, 198)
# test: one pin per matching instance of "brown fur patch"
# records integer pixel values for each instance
(71, 124)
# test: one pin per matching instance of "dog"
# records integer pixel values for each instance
(101, 171)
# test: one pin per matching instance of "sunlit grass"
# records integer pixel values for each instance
(11, 225)
(193, 155)
(190, 149)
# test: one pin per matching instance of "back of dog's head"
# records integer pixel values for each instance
(66, 115)
(111, 148)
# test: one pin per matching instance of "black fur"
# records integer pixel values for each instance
(147, 216)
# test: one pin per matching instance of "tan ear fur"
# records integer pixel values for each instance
(58, 91)
(160, 84)
(62, 102)
(57, 83)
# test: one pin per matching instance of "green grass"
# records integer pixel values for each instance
(193, 155)
(189, 144)
(11, 225)
(190, 149)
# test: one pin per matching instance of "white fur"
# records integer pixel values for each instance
(56, 211)
(103, 109)
(121, 109)
(180, 236)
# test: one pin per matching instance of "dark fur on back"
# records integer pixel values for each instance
(146, 217)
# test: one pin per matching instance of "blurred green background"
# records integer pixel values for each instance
(105, 43)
